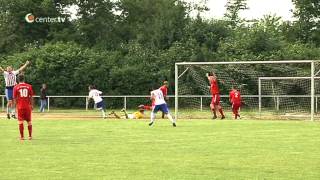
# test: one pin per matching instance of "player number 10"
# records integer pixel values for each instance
(23, 92)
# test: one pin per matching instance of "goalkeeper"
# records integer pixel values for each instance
(136, 115)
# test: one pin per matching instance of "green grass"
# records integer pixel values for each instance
(196, 149)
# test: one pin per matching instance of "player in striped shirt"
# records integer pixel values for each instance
(10, 76)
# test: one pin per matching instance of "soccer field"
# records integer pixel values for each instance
(130, 149)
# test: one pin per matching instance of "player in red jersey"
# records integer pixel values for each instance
(164, 89)
(235, 100)
(23, 97)
(215, 101)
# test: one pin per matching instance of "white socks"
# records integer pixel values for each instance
(13, 111)
(153, 116)
(103, 113)
(171, 119)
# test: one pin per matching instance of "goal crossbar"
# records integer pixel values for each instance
(312, 76)
(245, 62)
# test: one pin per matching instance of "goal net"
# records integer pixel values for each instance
(287, 96)
(270, 89)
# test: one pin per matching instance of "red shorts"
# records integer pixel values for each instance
(215, 99)
(236, 106)
(24, 114)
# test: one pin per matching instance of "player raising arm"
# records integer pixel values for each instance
(235, 100)
(95, 95)
(10, 76)
(160, 104)
(215, 101)
(23, 97)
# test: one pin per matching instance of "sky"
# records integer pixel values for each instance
(257, 8)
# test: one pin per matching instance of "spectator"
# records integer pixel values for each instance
(43, 98)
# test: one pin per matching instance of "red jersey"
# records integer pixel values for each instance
(23, 93)
(164, 90)
(214, 88)
(235, 96)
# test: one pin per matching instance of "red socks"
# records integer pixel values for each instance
(21, 128)
(214, 112)
(221, 112)
(30, 130)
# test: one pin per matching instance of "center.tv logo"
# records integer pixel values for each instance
(30, 18)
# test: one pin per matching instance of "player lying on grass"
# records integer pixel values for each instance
(160, 104)
(215, 101)
(23, 97)
(10, 76)
(136, 115)
(95, 95)
(235, 100)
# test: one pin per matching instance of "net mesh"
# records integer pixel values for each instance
(279, 97)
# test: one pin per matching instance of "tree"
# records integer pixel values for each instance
(17, 35)
(96, 26)
(234, 7)
(308, 24)
(156, 23)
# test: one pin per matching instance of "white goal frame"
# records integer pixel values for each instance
(312, 75)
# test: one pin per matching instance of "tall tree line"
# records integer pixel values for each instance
(127, 46)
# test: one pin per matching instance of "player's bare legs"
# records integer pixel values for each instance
(10, 109)
(220, 111)
(13, 110)
(213, 109)
(9, 104)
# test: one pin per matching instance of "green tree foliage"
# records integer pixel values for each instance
(156, 23)
(308, 25)
(129, 46)
(96, 26)
(234, 7)
(17, 35)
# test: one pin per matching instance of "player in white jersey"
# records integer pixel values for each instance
(160, 104)
(10, 76)
(95, 95)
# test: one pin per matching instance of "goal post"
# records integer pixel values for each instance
(190, 79)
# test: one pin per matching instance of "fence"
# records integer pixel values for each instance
(200, 98)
